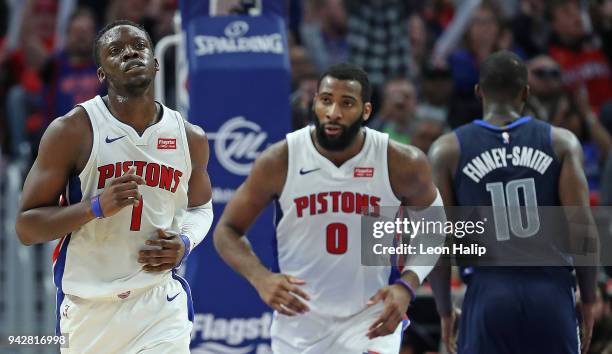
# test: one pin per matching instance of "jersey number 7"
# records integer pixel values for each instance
(136, 216)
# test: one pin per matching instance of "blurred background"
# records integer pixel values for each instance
(423, 59)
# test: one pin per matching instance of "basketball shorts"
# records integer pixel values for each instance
(311, 333)
(154, 320)
(527, 312)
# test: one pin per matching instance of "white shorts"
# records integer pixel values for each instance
(153, 320)
(316, 334)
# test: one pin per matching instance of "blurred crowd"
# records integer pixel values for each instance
(46, 62)
(423, 58)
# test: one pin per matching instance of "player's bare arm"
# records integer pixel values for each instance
(444, 157)
(64, 150)
(265, 182)
(411, 181)
(171, 246)
(573, 191)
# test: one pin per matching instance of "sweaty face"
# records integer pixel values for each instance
(339, 112)
(126, 58)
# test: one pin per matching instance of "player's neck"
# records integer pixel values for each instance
(340, 157)
(500, 114)
(139, 112)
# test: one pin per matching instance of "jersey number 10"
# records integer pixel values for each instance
(507, 208)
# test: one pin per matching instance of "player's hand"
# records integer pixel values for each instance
(396, 300)
(282, 293)
(121, 192)
(447, 327)
(588, 319)
(169, 254)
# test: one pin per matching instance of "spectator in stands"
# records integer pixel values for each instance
(426, 130)
(530, 28)
(601, 14)
(301, 100)
(70, 75)
(545, 84)
(377, 40)
(573, 112)
(36, 38)
(419, 46)
(304, 78)
(398, 110)
(481, 39)
(436, 92)
(325, 37)
(582, 63)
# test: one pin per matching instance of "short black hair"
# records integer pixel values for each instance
(96, 53)
(503, 75)
(348, 71)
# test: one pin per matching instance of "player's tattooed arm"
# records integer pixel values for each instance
(265, 182)
(444, 157)
(64, 150)
(574, 194)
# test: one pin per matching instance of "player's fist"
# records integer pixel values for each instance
(448, 329)
(121, 192)
(167, 256)
(588, 320)
(396, 300)
(282, 293)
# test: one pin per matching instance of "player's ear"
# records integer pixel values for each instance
(367, 110)
(478, 91)
(525, 93)
(156, 64)
(101, 75)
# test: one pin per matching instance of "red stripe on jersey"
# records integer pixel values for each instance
(56, 251)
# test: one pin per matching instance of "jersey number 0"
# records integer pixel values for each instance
(336, 238)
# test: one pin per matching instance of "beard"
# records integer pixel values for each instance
(340, 142)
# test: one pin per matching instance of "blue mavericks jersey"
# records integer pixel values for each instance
(514, 170)
(511, 309)
(520, 151)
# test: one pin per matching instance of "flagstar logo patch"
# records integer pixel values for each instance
(166, 143)
(364, 172)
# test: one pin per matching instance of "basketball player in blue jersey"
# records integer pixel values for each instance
(513, 310)
(321, 178)
(136, 199)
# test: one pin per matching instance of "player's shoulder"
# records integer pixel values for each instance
(269, 172)
(72, 127)
(564, 142)
(404, 154)
(445, 147)
(275, 157)
(195, 133)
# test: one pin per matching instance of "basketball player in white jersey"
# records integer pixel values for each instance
(136, 199)
(325, 301)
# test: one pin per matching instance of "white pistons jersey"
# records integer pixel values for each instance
(100, 259)
(318, 231)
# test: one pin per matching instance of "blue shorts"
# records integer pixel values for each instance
(524, 311)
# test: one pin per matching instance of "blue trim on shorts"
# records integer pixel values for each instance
(58, 274)
(187, 289)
